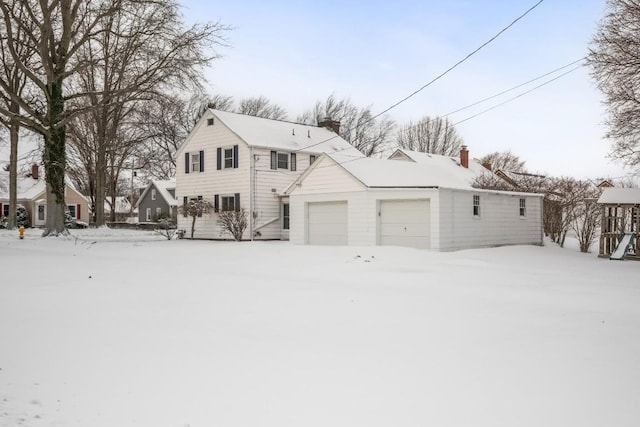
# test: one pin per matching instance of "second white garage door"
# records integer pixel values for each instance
(327, 223)
(405, 223)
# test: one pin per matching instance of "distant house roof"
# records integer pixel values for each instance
(284, 135)
(620, 196)
(163, 188)
(122, 204)
(474, 170)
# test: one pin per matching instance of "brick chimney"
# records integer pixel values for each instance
(487, 166)
(34, 171)
(464, 156)
(334, 125)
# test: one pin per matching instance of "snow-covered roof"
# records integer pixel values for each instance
(27, 187)
(474, 170)
(622, 196)
(427, 170)
(283, 135)
(163, 188)
(122, 204)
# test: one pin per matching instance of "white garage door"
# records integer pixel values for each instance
(405, 223)
(327, 223)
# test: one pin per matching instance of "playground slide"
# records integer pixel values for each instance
(623, 245)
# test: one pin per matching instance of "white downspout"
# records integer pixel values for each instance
(252, 173)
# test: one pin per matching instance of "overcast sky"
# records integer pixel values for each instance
(378, 52)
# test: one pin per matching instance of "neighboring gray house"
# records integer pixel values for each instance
(157, 201)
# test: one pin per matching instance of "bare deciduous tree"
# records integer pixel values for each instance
(614, 58)
(166, 122)
(15, 78)
(503, 160)
(143, 41)
(433, 135)
(234, 222)
(357, 125)
(261, 107)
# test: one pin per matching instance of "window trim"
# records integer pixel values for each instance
(148, 214)
(193, 163)
(523, 207)
(210, 121)
(153, 194)
(476, 206)
(71, 208)
(285, 156)
(225, 158)
(227, 197)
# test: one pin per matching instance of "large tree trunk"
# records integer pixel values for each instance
(14, 131)
(55, 160)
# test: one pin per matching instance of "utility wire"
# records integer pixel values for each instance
(497, 95)
(519, 95)
(439, 76)
(514, 88)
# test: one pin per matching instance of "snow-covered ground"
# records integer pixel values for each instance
(126, 329)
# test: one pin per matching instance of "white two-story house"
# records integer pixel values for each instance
(236, 161)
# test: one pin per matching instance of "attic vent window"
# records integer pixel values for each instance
(210, 122)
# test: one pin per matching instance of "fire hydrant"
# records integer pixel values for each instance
(21, 232)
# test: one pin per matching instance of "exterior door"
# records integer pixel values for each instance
(405, 223)
(327, 223)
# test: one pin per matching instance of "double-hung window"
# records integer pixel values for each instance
(283, 161)
(153, 194)
(523, 207)
(476, 205)
(195, 162)
(228, 203)
(228, 158)
(72, 211)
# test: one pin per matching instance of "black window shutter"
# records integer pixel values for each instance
(201, 161)
(185, 202)
(186, 162)
(199, 210)
(274, 160)
(219, 157)
(216, 203)
(293, 161)
(237, 201)
(235, 157)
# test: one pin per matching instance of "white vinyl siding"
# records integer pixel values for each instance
(500, 223)
(212, 181)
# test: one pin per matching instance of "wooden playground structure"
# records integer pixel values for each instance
(620, 224)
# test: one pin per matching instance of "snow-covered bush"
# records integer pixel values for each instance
(22, 218)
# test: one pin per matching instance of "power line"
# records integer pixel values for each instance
(518, 96)
(498, 34)
(514, 88)
(459, 62)
(498, 94)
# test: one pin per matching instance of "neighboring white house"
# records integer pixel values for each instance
(238, 162)
(426, 201)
